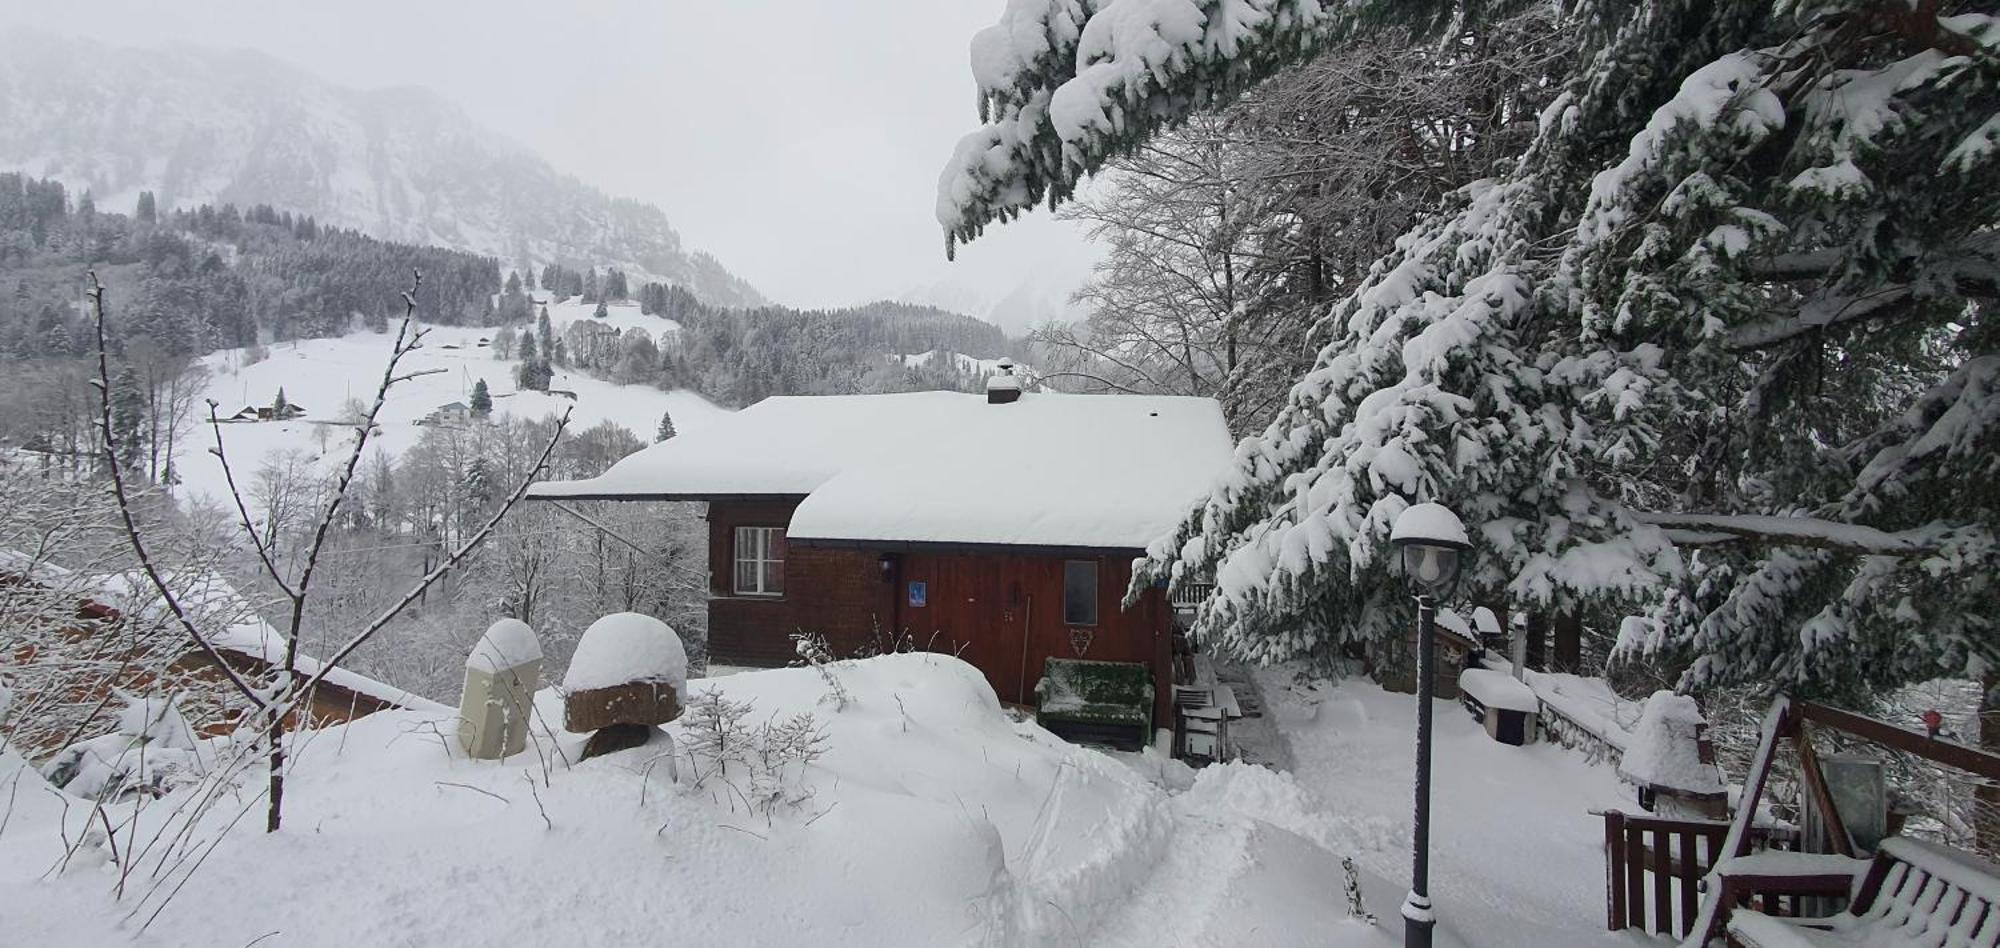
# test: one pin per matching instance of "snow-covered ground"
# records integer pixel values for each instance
(320, 375)
(933, 818)
(1516, 858)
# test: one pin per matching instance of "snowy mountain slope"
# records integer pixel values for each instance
(319, 375)
(195, 126)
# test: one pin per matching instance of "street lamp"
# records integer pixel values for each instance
(1431, 538)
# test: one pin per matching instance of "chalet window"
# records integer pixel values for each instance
(760, 561)
(1080, 592)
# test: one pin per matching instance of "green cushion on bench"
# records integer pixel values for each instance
(1095, 692)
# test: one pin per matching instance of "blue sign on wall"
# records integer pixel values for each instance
(919, 593)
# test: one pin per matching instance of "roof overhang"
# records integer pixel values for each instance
(949, 546)
(674, 498)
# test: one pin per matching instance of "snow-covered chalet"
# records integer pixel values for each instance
(999, 527)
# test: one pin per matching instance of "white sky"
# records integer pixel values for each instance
(799, 142)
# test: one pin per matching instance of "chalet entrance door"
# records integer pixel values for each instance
(978, 612)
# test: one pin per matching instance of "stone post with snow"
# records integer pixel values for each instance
(499, 695)
(629, 674)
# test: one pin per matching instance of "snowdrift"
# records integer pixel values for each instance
(931, 818)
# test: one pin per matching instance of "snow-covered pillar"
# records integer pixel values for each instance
(500, 677)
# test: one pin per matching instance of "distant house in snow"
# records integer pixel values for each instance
(449, 415)
(1000, 527)
(267, 413)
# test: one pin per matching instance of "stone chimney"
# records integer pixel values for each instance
(1005, 387)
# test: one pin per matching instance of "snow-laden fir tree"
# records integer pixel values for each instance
(666, 429)
(1716, 349)
(482, 399)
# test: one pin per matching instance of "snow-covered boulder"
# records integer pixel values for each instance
(629, 673)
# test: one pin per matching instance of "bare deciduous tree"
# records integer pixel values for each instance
(277, 702)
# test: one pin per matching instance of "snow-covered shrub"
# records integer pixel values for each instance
(814, 651)
(760, 766)
(152, 751)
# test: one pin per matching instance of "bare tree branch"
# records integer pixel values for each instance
(471, 544)
(132, 535)
(1696, 529)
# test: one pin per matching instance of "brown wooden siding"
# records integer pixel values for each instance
(1002, 613)
(840, 594)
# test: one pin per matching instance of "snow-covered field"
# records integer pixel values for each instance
(320, 375)
(934, 820)
(965, 363)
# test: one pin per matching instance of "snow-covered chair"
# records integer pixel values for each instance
(1914, 893)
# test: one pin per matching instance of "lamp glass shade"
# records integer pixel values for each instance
(1428, 566)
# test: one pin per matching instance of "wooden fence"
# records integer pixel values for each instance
(1654, 869)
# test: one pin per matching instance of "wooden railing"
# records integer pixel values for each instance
(1192, 595)
(1654, 869)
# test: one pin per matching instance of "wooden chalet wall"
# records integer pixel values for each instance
(840, 594)
(1004, 614)
(1001, 612)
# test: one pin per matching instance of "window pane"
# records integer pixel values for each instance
(746, 559)
(774, 577)
(1080, 592)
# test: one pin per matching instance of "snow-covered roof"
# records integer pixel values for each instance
(246, 633)
(1049, 470)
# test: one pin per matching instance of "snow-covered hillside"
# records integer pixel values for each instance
(201, 126)
(932, 819)
(965, 363)
(320, 375)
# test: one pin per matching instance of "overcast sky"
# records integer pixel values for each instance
(799, 142)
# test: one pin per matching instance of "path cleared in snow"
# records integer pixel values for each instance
(1516, 858)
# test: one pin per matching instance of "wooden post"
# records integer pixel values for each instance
(1614, 870)
(1689, 872)
(1836, 827)
(1663, 857)
(1635, 876)
(1569, 643)
(1538, 624)
(1986, 816)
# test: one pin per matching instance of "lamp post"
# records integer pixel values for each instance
(1431, 539)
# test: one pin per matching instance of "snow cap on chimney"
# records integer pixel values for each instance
(1005, 387)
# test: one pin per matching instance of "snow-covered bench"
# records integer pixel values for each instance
(1090, 702)
(1913, 894)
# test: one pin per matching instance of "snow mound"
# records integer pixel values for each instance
(931, 818)
(1665, 747)
(625, 647)
(506, 644)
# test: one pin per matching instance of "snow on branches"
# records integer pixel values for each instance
(1742, 272)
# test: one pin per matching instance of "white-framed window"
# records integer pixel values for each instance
(1080, 592)
(760, 561)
